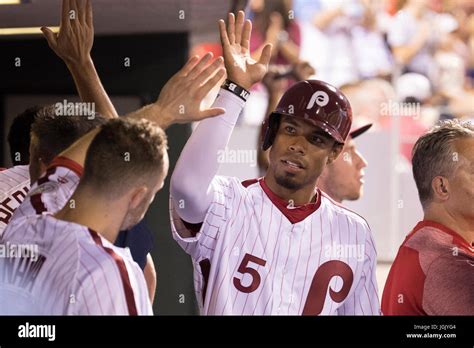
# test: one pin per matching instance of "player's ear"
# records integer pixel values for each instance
(335, 151)
(138, 195)
(441, 188)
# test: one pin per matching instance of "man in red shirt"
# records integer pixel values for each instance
(433, 273)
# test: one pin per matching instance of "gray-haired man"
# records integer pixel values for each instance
(433, 272)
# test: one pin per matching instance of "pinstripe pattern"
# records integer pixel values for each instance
(14, 186)
(242, 232)
(80, 275)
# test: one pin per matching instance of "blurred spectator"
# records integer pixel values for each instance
(412, 86)
(372, 55)
(273, 23)
(354, 42)
(410, 107)
(454, 59)
(336, 20)
(416, 33)
(410, 38)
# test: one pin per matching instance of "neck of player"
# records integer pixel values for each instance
(300, 196)
(101, 216)
(463, 227)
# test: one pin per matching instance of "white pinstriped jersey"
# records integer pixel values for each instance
(72, 271)
(53, 190)
(253, 255)
(14, 186)
(69, 268)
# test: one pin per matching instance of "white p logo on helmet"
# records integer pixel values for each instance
(321, 98)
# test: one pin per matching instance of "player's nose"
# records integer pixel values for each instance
(360, 160)
(298, 145)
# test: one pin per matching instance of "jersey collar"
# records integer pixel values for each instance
(294, 214)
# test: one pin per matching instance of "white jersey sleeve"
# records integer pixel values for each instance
(365, 299)
(14, 186)
(53, 190)
(205, 235)
(198, 163)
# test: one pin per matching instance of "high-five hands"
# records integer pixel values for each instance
(235, 39)
(180, 99)
(74, 41)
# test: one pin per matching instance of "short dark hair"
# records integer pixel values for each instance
(56, 133)
(19, 135)
(124, 153)
(434, 154)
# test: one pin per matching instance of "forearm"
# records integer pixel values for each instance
(404, 54)
(198, 162)
(154, 113)
(150, 277)
(77, 151)
(323, 19)
(290, 51)
(90, 88)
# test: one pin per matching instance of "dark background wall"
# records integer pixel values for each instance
(154, 58)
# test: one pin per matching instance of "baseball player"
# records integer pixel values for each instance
(277, 244)
(14, 186)
(75, 268)
(344, 178)
(433, 272)
(49, 136)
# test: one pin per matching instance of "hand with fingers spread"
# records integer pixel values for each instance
(235, 39)
(73, 45)
(181, 97)
(74, 41)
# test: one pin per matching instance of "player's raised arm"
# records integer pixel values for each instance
(73, 45)
(198, 164)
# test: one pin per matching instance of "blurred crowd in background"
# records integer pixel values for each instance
(406, 59)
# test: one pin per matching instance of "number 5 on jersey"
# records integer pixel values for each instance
(245, 268)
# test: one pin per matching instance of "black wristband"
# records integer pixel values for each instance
(234, 88)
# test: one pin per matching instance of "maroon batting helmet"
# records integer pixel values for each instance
(316, 101)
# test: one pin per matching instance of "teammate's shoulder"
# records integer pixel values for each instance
(15, 175)
(20, 169)
(434, 238)
(343, 211)
(100, 250)
(43, 230)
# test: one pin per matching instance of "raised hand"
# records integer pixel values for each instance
(74, 41)
(235, 39)
(181, 98)
(73, 45)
